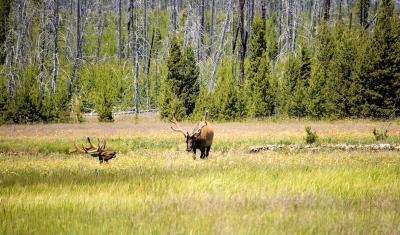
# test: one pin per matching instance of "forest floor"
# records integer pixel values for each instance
(155, 187)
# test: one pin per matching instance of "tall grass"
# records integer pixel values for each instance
(154, 186)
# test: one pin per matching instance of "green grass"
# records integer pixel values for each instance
(154, 186)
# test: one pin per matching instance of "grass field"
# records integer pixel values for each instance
(155, 187)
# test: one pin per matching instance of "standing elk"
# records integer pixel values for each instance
(99, 151)
(200, 138)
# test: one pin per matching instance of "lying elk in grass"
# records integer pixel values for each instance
(200, 138)
(99, 151)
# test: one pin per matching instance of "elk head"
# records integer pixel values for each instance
(190, 138)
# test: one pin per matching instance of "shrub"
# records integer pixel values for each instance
(380, 135)
(311, 137)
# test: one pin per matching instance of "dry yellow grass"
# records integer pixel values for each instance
(154, 186)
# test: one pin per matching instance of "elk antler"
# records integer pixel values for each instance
(197, 131)
(205, 117)
(176, 128)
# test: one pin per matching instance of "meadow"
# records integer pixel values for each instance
(155, 187)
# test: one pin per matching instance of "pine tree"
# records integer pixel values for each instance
(297, 77)
(382, 85)
(181, 88)
(259, 90)
(271, 38)
(320, 94)
(189, 87)
(226, 103)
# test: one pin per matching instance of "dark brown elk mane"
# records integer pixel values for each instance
(99, 151)
(200, 138)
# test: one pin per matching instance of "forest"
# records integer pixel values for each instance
(255, 59)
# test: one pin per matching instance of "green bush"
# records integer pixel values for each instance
(311, 137)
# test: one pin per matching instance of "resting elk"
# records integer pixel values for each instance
(99, 151)
(200, 138)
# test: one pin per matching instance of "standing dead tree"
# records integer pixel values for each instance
(212, 27)
(100, 28)
(78, 55)
(55, 46)
(145, 54)
(222, 46)
(119, 31)
(135, 56)
(243, 40)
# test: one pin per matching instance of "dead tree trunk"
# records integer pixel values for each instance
(235, 29)
(100, 27)
(119, 31)
(129, 29)
(174, 16)
(290, 25)
(221, 48)
(327, 8)
(136, 58)
(55, 47)
(72, 83)
(243, 38)
(202, 31)
(145, 55)
(68, 38)
(212, 27)
(263, 14)
(43, 43)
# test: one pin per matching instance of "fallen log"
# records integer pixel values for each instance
(345, 147)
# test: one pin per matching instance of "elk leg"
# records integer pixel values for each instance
(202, 156)
(207, 151)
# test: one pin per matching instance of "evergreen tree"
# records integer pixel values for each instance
(226, 103)
(271, 38)
(259, 90)
(382, 85)
(321, 98)
(189, 87)
(344, 86)
(181, 88)
(297, 76)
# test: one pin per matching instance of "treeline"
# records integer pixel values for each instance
(236, 59)
(343, 72)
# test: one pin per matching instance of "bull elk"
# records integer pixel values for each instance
(99, 151)
(200, 138)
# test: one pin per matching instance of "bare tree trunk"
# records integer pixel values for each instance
(129, 29)
(68, 39)
(202, 31)
(119, 29)
(136, 59)
(72, 84)
(174, 13)
(234, 42)
(243, 38)
(42, 52)
(100, 27)
(221, 48)
(212, 27)
(55, 48)
(263, 13)
(290, 25)
(327, 8)
(350, 12)
(145, 55)
(340, 11)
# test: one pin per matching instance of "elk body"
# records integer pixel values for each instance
(201, 137)
(99, 151)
